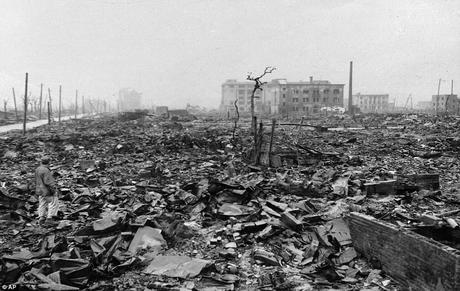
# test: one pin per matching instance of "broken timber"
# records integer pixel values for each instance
(410, 259)
(418, 182)
(317, 127)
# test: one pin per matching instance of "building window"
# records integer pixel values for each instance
(336, 91)
(241, 92)
(325, 100)
(284, 88)
(304, 100)
(284, 103)
(295, 99)
(284, 95)
(326, 91)
(315, 99)
(305, 91)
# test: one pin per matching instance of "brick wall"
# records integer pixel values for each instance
(414, 261)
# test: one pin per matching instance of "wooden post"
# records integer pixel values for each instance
(50, 104)
(452, 94)
(259, 142)
(49, 113)
(60, 102)
(254, 128)
(25, 105)
(271, 142)
(76, 103)
(437, 97)
(15, 106)
(40, 105)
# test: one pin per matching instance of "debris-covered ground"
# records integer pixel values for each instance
(159, 205)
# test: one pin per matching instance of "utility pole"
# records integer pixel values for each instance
(25, 105)
(15, 106)
(41, 93)
(452, 94)
(60, 102)
(76, 103)
(4, 108)
(350, 91)
(437, 97)
(82, 105)
(49, 113)
(49, 104)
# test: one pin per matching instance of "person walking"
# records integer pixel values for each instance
(48, 199)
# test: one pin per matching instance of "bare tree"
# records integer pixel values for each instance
(35, 102)
(5, 102)
(32, 102)
(257, 86)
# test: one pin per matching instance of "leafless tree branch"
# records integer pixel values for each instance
(257, 86)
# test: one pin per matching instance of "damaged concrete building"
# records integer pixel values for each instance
(280, 96)
(445, 103)
(372, 103)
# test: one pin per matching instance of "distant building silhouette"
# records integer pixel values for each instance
(376, 103)
(129, 99)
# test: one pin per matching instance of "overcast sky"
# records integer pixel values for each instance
(178, 52)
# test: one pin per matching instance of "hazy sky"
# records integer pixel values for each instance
(176, 52)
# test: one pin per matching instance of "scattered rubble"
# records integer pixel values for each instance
(162, 205)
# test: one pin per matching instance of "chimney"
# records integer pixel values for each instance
(311, 79)
(350, 90)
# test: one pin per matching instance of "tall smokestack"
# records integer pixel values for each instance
(350, 90)
(311, 79)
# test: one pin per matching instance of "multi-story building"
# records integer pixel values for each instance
(233, 90)
(282, 97)
(303, 97)
(445, 103)
(367, 103)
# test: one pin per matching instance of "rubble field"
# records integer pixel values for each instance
(152, 204)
